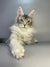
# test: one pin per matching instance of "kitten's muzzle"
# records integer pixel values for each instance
(25, 24)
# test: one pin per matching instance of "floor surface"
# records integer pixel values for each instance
(37, 55)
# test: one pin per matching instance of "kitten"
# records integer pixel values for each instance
(22, 33)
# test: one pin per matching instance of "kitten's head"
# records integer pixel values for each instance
(23, 18)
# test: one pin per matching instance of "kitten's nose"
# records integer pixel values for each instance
(24, 25)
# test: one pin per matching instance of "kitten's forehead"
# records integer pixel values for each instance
(24, 16)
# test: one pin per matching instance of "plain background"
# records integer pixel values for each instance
(37, 55)
(8, 12)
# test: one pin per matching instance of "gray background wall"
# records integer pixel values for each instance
(8, 12)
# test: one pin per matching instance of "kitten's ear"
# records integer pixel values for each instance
(19, 11)
(31, 14)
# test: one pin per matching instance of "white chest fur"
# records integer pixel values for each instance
(23, 34)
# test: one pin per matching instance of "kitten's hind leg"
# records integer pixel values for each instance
(35, 41)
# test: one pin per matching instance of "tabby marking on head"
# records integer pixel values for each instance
(24, 19)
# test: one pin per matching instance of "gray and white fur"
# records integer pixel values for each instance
(22, 33)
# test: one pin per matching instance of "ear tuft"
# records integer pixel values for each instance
(19, 11)
(31, 14)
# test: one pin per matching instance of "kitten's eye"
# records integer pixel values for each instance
(21, 20)
(28, 21)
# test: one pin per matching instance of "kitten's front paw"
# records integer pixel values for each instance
(18, 53)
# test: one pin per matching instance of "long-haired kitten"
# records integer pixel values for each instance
(22, 33)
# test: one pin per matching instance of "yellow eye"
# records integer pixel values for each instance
(28, 21)
(21, 20)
